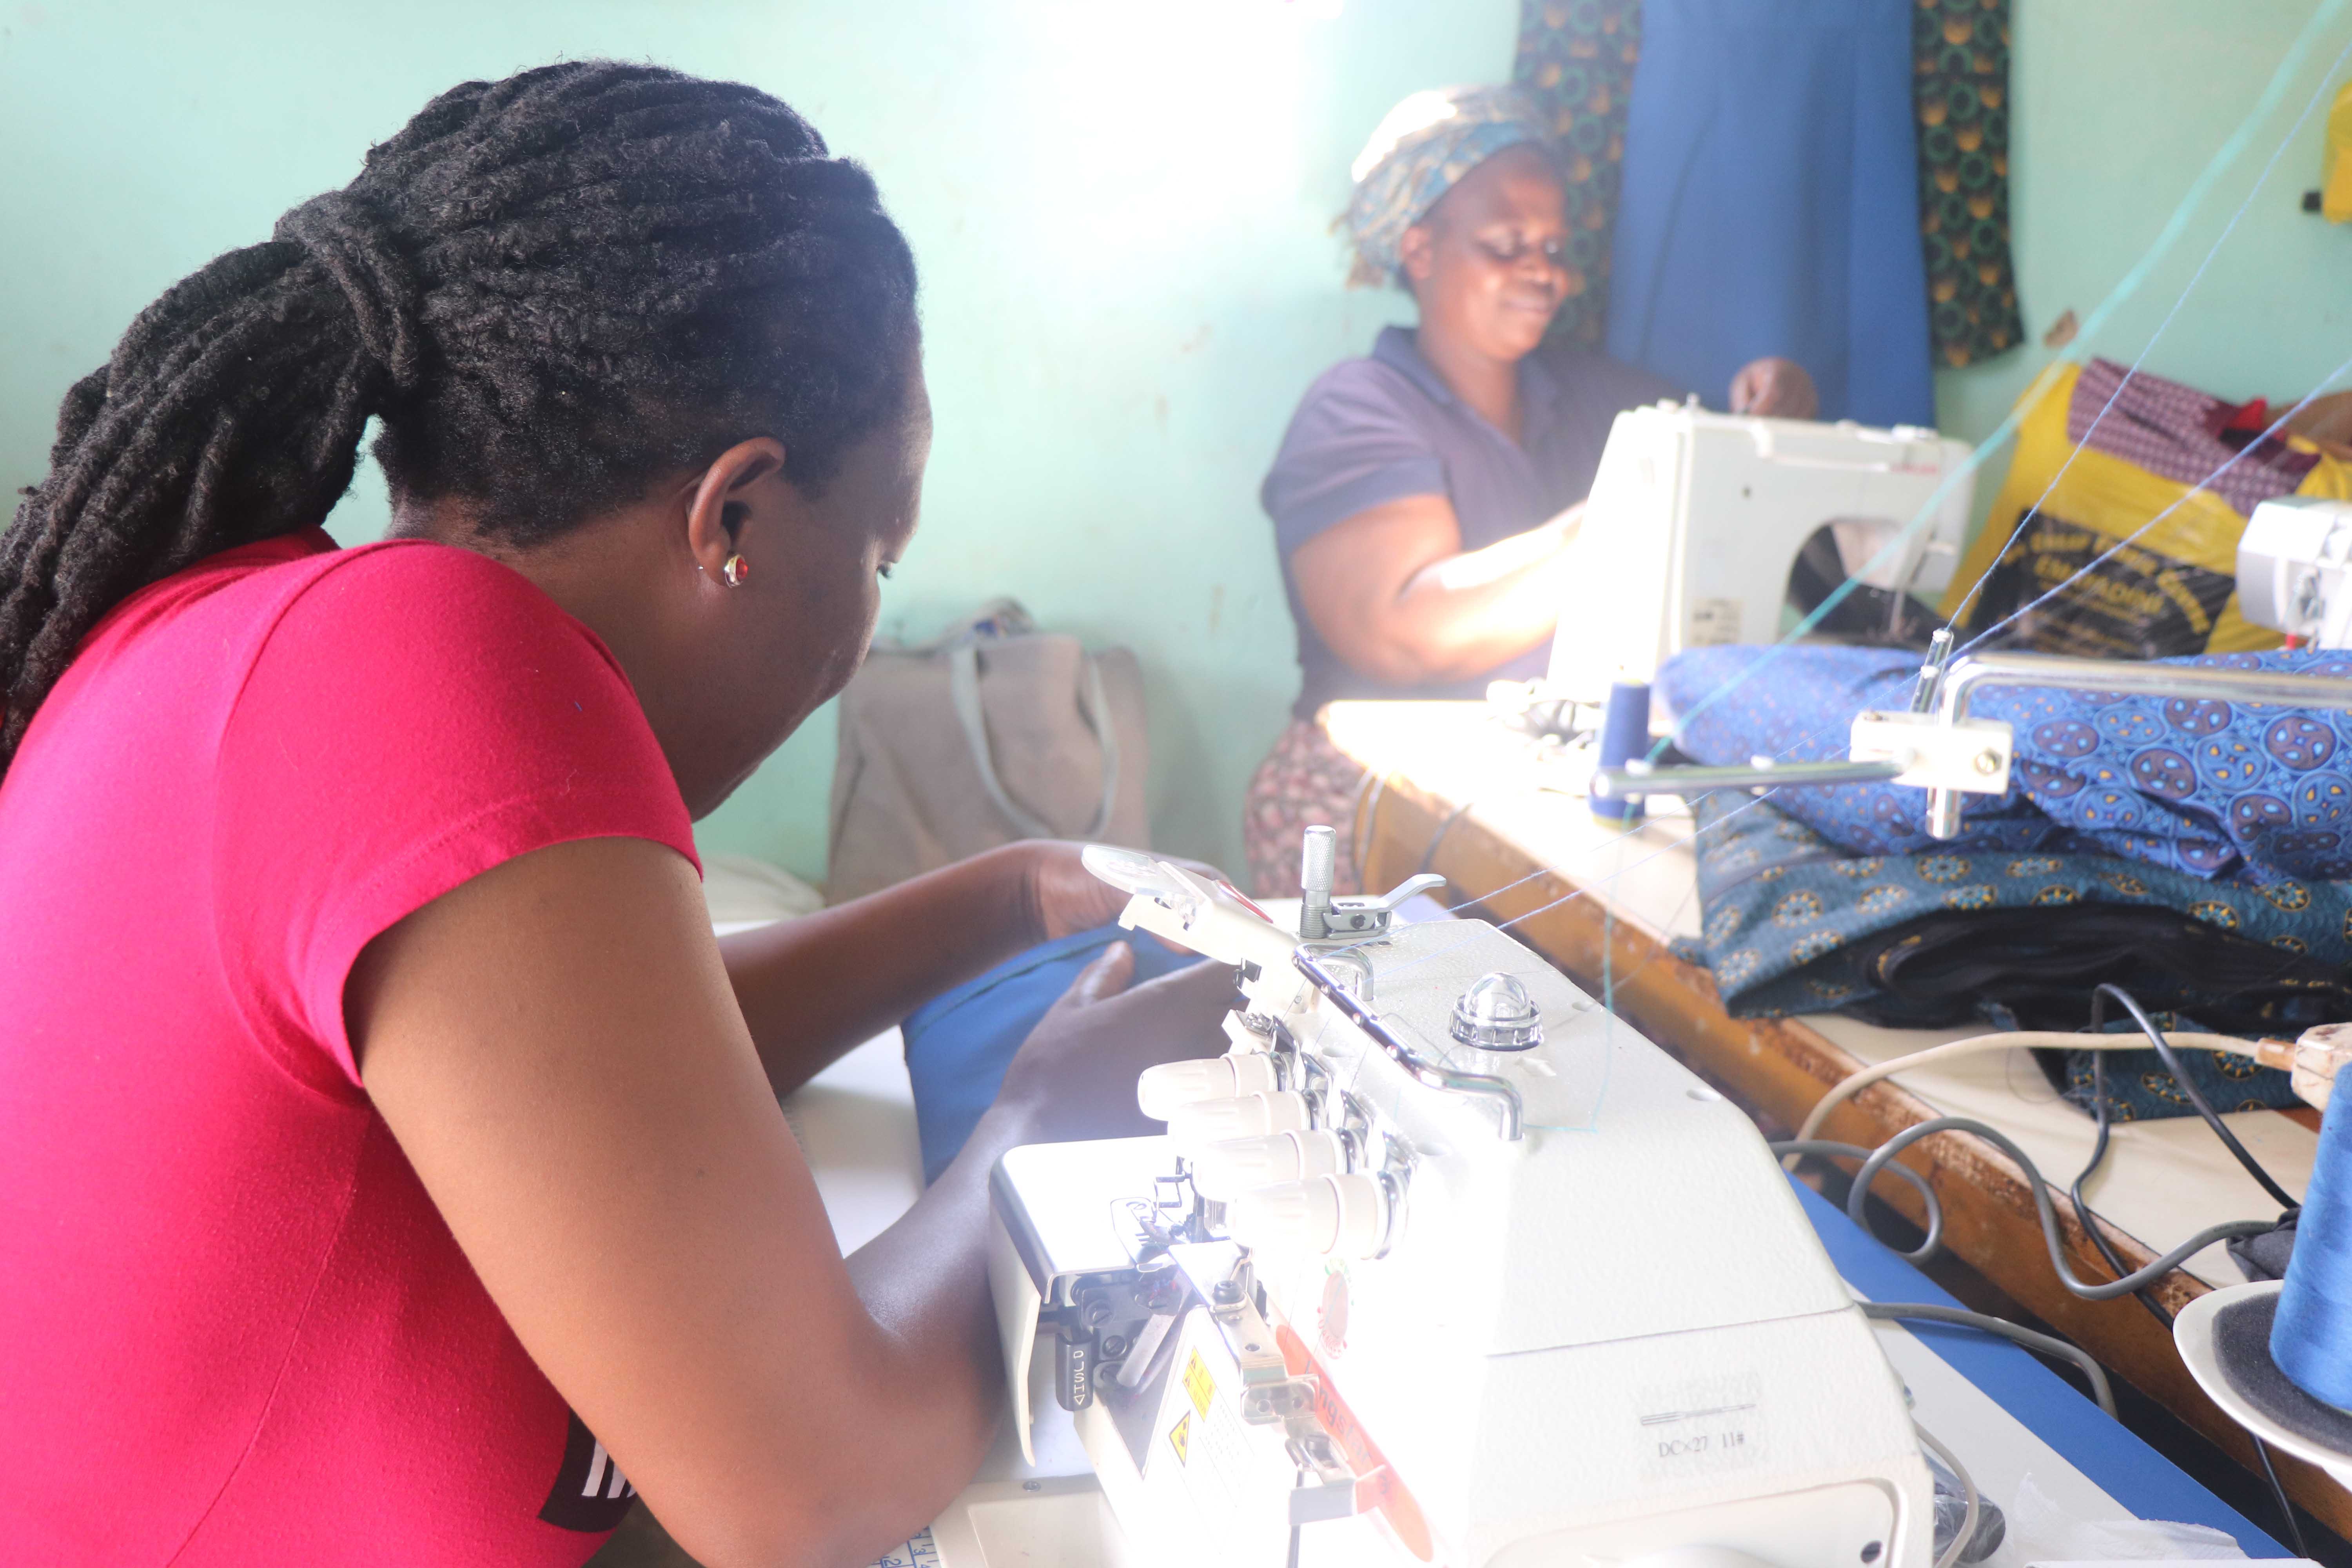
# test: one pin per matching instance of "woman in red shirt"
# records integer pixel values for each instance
(390, 1162)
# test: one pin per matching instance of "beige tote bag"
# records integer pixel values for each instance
(993, 733)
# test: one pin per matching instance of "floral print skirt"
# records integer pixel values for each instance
(1304, 781)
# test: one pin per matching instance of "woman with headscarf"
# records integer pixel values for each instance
(1425, 497)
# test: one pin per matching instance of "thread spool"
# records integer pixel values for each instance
(2311, 1338)
(1624, 735)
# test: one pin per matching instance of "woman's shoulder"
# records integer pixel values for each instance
(419, 596)
(1356, 401)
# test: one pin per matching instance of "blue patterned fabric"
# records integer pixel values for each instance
(1422, 149)
(1775, 895)
(1792, 925)
(2244, 792)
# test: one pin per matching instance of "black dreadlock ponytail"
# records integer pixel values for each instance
(551, 290)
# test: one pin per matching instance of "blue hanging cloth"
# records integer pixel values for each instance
(1771, 203)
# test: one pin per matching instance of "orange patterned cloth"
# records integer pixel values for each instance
(1304, 781)
(1577, 58)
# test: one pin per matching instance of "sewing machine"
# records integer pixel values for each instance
(2292, 561)
(1439, 1263)
(1696, 520)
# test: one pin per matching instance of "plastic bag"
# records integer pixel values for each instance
(2172, 590)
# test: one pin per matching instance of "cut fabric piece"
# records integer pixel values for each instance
(1575, 58)
(959, 1044)
(2138, 1086)
(1960, 57)
(2079, 492)
(1791, 925)
(1770, 203)
(2244, 792)
(2179, 433)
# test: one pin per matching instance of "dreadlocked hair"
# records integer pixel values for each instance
(550, 290)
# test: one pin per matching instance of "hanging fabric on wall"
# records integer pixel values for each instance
(1961, 58)
(1576, 57)
(1771, 202)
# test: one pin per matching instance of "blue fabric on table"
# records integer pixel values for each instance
(1789, 925)
(2242, 792)
(960, 1043)
(1770, 203)
(2144, 1481)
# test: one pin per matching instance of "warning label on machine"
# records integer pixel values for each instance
(1180, 1437)
(1198, 1383)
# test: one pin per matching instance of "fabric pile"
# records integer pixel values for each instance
(2196, 853)
(1791, 924)
(2244, 792)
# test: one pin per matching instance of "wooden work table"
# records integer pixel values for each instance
(1506, 823)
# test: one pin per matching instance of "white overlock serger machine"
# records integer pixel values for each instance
(1696, 520)
(2292, 563)
(1439, 1263)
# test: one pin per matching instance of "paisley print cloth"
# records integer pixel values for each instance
(2242, 792)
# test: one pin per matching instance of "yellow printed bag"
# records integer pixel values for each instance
(2171, 591)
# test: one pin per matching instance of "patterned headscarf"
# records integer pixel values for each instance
(1422, 148)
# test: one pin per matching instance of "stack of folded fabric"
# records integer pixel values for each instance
(2244, 792)
(2194, 852)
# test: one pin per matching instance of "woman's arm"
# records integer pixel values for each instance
(555, 1047)
(812, 988)
(1393, 594)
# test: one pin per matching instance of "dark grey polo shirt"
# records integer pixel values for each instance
(1377, 429)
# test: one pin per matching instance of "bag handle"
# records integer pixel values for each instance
(963, 692)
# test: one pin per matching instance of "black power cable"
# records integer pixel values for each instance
(2095, 1228)
(2181, 1076)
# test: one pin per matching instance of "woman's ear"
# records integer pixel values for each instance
(1417, 254)
(724, 497)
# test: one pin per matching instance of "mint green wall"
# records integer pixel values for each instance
(1120, 209)
(2119, 104)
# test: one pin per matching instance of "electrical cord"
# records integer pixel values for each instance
(1798, 1147)
(2047, 1344)
(2196, 1097)
(1968, 1531)
(2047, 1212)
(2093, 1227)
(2278, 1495)
(1429, 854)
(2133, 1284)
(1846, 1088)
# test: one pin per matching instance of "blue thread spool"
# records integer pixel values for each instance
(2311, 1338)
(1624, 735)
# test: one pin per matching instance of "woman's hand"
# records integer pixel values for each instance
(1065, 897)
(1778, 387)
(1075, 1076)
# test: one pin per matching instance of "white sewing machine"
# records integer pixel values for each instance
(1695, 520)
(1440, 1263)
(2292, 561)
